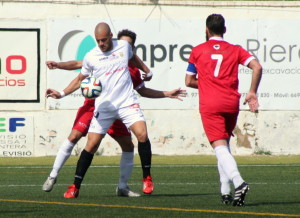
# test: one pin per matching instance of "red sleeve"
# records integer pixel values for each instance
(135, 75)
(192, 57)
(244, 56)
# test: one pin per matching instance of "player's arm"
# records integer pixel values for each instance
(68, 65)
(251, 97)
(190, 76)
(137, 62)
(73, 86)
(151, 93)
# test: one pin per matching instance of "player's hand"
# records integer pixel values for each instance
(51, 65)
(53, 94)
(147, 76)
(177, 93)
(251, 99)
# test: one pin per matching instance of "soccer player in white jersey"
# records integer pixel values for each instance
(117, 131)
(109, 62)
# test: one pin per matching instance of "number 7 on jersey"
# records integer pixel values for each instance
(219, 59)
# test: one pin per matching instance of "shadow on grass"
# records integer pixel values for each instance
(164, 195)
(175, 195)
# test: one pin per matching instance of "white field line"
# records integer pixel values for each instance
(157, 183)
(153, 165)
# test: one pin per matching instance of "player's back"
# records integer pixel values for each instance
(217, 64)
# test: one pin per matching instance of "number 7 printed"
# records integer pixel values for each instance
(219, 59)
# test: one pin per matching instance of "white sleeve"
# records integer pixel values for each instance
(130, 51)
(86, 70)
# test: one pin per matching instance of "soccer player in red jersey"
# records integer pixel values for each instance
(213, 70)
(118, 130)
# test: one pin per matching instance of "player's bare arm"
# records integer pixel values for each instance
(68, 65)
(191, 81)
(251, 97)
(72, 87)
(137, 62)
(151, 93)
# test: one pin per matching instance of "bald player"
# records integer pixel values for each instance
(109, 62)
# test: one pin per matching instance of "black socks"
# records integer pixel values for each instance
(144, 149)
(83, 164)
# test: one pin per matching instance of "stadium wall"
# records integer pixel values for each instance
(31, 33)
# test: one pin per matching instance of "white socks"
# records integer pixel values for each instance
(126, 166)
(224, 180)
(228, 165)
(63, 154)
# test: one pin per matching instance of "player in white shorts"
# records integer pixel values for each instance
(109, 62)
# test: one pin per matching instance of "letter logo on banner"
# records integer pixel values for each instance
(86, 44)
(16, 58)
(17, 136)
(12, 124)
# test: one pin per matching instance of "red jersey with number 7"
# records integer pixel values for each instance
(217, 63)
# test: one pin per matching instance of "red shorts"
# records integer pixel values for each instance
(83, 120)
(118, 128)
(218, 125)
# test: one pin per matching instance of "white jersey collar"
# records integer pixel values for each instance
(216, 38)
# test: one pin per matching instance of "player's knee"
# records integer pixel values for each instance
(128, 147)
(74, 137)
(142, 137)
(93, 143)
(91, 148)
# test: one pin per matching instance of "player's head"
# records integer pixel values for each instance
(127, 35)
(215, 25)
(103, 36)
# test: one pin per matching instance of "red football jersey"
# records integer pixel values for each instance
(135, 75)
(217, 63)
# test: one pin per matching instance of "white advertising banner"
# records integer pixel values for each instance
(165, 45)
(19, 65)
(16, 136)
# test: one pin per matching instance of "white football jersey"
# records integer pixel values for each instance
(111, 68)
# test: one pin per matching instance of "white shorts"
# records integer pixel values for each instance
(103, 120)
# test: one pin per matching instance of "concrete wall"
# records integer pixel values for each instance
(34, 126)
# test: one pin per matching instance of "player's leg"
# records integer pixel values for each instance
(120, 133)
(139, 129)
(62, 155)
(229, 166)
(126, 166)
(80, 128)
(215, 128)
(86, 157)
(98, 128)
(83, 163)
(241, 187)
(134, 119)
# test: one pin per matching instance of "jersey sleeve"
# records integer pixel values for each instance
(245, 57)
(191, 69)
(128, 47)
(130, 51)
(192, 57)
(86, 69)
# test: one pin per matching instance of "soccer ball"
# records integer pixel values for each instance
(91, 87)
